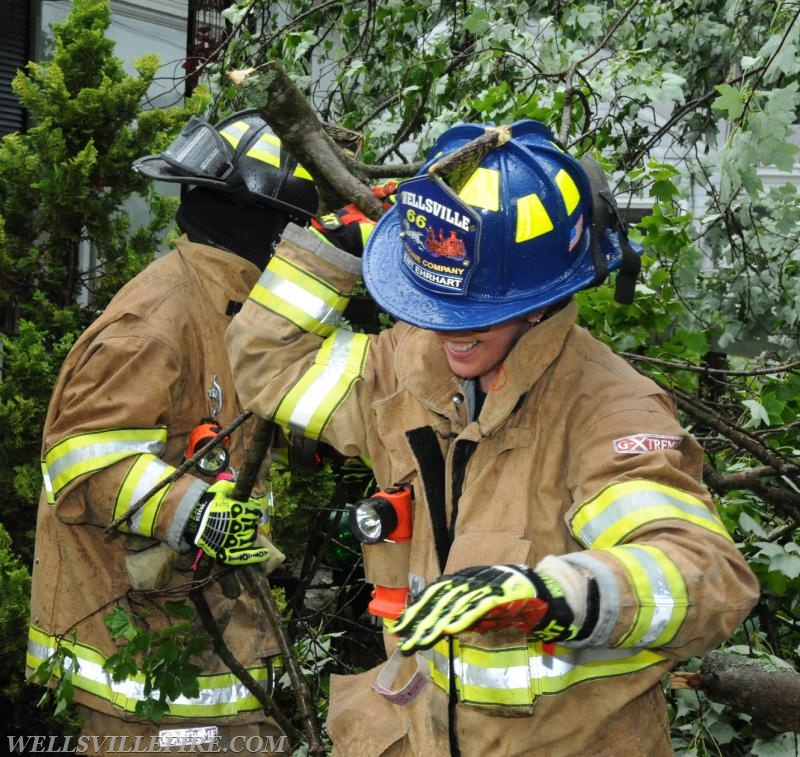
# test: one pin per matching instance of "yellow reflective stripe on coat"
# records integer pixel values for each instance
(220, 694)
(143, 475)
(516, 676)
(661, 595)
(620, 509)
(339, 363)
(305, 300)
(82, 454)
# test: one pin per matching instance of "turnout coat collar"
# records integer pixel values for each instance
(431, 381)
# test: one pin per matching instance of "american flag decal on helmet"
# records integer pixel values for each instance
(575, 234)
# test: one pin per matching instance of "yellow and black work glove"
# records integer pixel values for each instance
(225, 528)
(348, 229)
(386, 193)
(493, 597)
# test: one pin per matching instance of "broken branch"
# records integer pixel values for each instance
(284, 107)
(770, 695)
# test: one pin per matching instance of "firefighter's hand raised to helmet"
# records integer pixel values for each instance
(348, 229)
(494, 597)
(225, 528)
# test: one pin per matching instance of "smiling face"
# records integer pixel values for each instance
(479, 354)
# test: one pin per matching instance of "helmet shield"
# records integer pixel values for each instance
(241, 157)
(511, 236)
(198, 155)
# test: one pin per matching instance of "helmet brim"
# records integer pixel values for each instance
(389, 285)
(155, 167)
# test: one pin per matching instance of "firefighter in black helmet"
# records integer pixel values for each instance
(146, 374)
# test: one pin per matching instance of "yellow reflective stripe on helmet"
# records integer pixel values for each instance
(301, 173)
(339, 363)
(308, 302)
(660, 592)
(516, 675)
(267, 149)
(142, 476)
(482, 189)
(617, 511)
(532, 218)
(220, 694)
(569, 190)
(234, 132)
(82, 454)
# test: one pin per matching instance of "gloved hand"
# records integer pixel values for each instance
(348, 229)
(493, 597)
(386, 193)
(224, 528)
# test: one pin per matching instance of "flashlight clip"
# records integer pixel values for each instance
(216, 397)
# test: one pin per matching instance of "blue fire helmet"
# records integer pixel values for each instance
(469, 248)
(239, 157)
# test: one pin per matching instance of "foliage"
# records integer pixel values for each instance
(15, 587)
(162, 657)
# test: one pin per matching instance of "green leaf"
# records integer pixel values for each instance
(179, 610)
(729, 101)
(788, 565)
(152, 709)
(758, 414)
(750, 525)
(120, 624)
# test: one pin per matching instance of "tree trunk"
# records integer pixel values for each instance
(770, 695)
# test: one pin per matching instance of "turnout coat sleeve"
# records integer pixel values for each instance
(564, 431)
(129, 377)
(303, 332)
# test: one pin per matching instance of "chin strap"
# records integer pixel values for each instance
(607, 223)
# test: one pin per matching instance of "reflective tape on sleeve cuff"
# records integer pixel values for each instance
(82, 454)
(660, 592)
(339, 363)
(305, 300)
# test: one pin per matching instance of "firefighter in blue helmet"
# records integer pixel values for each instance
(563, 553)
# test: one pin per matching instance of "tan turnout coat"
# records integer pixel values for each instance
(146, 362)
(543, 444)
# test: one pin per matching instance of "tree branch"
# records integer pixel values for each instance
(771, 696)
(284, 107)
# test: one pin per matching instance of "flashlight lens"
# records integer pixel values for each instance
(368, 522)
(214, 461)
(373, 520)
